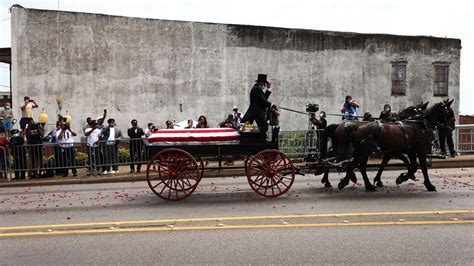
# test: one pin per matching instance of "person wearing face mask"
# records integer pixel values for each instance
(7, 115)
(135, 134)
(386, 115)
(349, 110)
(320, 122)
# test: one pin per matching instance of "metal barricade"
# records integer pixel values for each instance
(463, 137)
(46, 159)
(4, 162)
(107, 156)
(25, 161)
(301, 144)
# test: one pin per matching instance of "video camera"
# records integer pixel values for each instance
(312, 108)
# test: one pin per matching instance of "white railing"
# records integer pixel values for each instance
(463, 137)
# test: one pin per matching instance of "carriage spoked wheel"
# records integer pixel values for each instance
(173, 174)
(270, 173)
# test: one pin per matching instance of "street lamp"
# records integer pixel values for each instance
(68, 117)
(43, 118)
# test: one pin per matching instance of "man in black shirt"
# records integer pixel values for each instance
(320, 123)
(259, 104)
(135, 134)
(386, 115)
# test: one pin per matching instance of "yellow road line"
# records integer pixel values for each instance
(237, 218)
(265, 226)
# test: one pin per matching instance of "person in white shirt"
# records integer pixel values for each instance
(7, 115)
(237, 116)
(67, 157)
(93, 152)
(150, 129)
(110, 135)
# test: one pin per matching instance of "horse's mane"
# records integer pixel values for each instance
(433, 110)
(408, 112)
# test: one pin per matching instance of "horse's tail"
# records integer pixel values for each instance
(328, 134)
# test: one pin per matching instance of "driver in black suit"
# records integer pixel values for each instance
(259, 104)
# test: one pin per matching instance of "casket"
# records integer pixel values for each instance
(195, 136)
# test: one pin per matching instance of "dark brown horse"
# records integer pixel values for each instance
(412, 138)
(338, 132)
(408, 113)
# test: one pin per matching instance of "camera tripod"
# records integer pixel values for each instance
(311, 141)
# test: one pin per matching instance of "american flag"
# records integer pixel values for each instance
(195, 136)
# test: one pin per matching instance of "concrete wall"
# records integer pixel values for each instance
(154, 70)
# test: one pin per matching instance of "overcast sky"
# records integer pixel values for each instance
(452, 19)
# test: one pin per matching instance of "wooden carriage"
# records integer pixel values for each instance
(176, 164)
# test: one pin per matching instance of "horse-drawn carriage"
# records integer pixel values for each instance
(176, 164)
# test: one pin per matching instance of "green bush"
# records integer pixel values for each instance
(81, 159)
(123, 155)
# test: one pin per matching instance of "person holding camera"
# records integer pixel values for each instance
(34, 139)
(101, 119)
(19, 154)
(169, 124)
(27, 112)
(135, 134)
(349, 109)
(320, 122)
(150, 129)
(272, 117)
(259, 104)
(237, 117)
(111, 136)
(93, 150)
(67, 151)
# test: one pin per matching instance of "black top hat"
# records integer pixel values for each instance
(262, 78)
(111, 120)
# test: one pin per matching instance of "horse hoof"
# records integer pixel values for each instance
(401, 178)
(342, 184)
(430, 187)
(327, 185)
(370, 188)
(379, 183)
(353, 178)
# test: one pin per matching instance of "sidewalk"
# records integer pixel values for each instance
(463, 161)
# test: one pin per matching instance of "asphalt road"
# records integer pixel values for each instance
(225, 222)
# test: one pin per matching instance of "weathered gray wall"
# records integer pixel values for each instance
(144, 68)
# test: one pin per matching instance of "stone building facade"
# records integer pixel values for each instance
(154, 70)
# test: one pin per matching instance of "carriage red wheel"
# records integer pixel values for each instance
(270, 173)
(173, 174)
